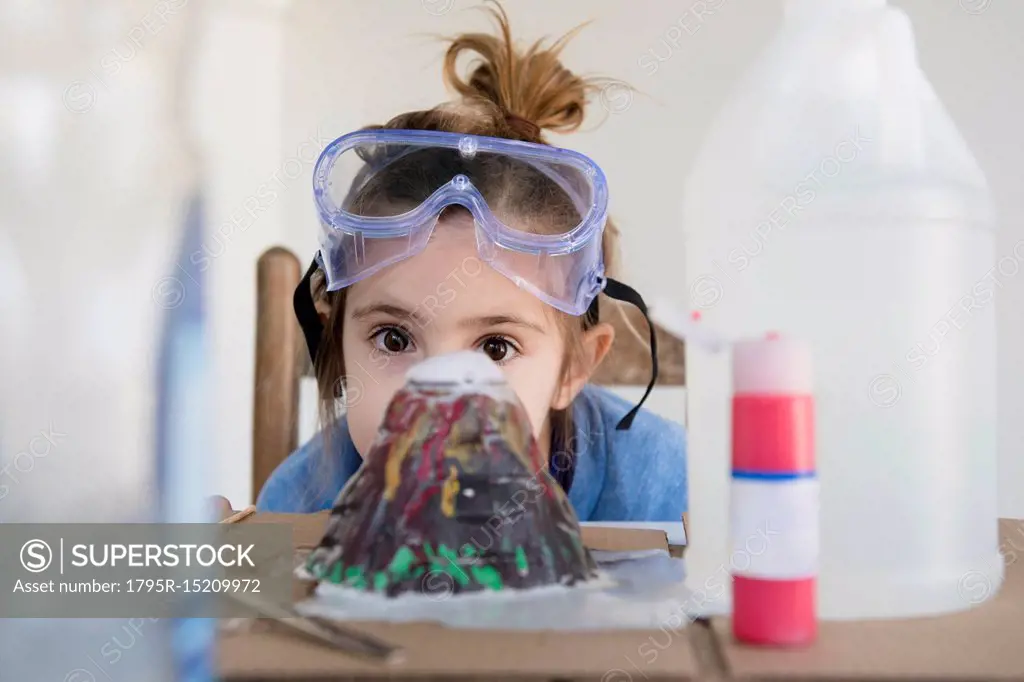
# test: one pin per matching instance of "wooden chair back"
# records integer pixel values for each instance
(282, 361)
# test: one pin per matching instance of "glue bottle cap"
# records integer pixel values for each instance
(771, 365)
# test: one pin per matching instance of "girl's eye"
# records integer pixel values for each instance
(498, 349)
(392, 340)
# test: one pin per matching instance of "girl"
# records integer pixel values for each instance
(460, 228)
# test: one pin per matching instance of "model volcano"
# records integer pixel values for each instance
(453, 496)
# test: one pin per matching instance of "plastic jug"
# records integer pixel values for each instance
(835, 201)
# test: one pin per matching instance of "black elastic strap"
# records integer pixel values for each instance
(618, 290)
(305, 311)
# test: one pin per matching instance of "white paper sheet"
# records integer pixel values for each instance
(640, 590)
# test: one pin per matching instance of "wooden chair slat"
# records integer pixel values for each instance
(280, 349)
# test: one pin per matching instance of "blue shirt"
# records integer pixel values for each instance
(634, 475)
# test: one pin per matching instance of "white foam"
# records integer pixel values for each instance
(466, 367)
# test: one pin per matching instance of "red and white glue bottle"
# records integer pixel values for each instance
(774, 493)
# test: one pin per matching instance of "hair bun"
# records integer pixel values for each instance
(532, 88)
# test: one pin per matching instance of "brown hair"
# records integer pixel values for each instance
(510, 94)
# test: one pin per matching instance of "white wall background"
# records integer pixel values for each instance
(279, 76)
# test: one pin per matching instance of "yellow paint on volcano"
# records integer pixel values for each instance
(449, 492)
(399, 451)
(457, 449)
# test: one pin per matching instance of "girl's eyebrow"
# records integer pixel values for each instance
(384, 309)
(496, 320)
(471, 322)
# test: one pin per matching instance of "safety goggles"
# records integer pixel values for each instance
(538, 211)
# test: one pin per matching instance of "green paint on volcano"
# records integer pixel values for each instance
(522, 565)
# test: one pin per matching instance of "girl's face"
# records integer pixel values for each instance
(443, 300)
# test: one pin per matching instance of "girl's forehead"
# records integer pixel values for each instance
(449, 279)
(450, 254)
(450, 283)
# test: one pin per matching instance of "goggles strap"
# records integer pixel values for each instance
(305, 311)
(622, 292)
(312, 329)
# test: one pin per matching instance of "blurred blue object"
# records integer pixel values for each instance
(183, 431)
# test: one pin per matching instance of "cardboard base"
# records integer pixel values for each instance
(308, 529)
(434, 651)
(983, 643)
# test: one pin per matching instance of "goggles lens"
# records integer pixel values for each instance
(538, 211)
(392, 179)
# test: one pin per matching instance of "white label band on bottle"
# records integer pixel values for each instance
(774, 527)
